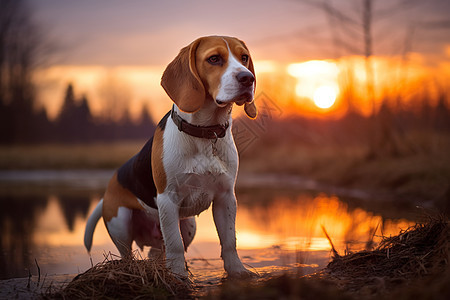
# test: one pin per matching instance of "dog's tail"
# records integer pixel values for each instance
(90, 225)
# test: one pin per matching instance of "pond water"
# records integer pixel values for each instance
(43, 214)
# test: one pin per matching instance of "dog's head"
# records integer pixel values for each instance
(214, 67)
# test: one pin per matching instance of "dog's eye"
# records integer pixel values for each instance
(244, 58)
(215, 60)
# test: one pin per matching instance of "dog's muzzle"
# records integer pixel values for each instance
(245, 80)
(239, 100)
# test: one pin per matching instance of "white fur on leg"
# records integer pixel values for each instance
(119, 229)
(224, 213)
(170, 228)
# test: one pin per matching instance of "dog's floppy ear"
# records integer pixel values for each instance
(250, 107)
(250, 110)
(181, 82)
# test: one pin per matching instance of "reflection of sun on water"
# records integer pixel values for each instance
(296, 224)
(293, 224)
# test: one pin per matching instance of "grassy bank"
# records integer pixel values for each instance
(421, 176)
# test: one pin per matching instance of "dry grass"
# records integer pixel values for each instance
(129, 278)
(416, 254)
(411, 265)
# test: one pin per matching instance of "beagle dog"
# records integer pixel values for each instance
(190, 163)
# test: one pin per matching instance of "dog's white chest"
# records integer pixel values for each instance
(195, 192)
(197, 170)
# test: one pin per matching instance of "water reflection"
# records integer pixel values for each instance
(297, 223)
(271, 226)
(17, 222)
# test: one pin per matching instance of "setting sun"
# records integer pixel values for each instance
(325, 96)
(316, 80)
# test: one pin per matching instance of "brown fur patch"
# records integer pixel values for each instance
(159, 174)
(181, 82)
(117, 196)
(211, 74)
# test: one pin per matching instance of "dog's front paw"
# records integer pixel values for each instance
(239, 271)
(245, 273)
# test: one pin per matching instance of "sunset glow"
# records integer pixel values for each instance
(325, 96)
(316, 85)
(316, 80)
(292, 68)
(135, 86)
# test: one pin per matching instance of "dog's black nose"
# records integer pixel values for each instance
(245, 78)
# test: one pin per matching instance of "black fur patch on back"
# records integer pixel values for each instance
(136, 174)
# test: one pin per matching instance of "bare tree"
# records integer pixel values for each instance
(352, 29)
(20, 51)
(21, 45)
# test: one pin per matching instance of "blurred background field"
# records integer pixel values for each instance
(419, 177)
(74, 156)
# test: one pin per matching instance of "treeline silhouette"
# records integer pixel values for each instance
(20, 123)
(24, 47)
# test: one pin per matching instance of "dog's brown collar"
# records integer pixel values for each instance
(204, 132)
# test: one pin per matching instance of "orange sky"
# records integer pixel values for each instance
(297, 87)
(124, 46)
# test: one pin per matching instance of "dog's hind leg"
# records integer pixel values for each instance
(120, 230)
(155, 253)
(188, 227)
